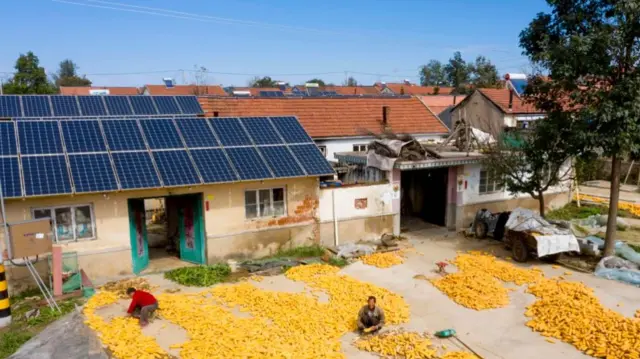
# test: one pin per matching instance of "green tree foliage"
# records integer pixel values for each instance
(484, 74)
(317, 81)
(433, 74)
(458, 73)
(263, 82)
(590, 50)
(29, 78)
(67, 75)
(350, 81)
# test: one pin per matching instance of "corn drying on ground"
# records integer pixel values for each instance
(398, 345)
(459, 355)
(383, 260)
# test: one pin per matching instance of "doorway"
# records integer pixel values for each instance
(424, 198)
(166, 232)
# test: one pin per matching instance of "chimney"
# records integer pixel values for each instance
(216, 114)
(455, 96)
(385, 117)
(510, 99)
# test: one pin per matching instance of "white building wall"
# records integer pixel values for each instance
(346, 144)
(379, 202)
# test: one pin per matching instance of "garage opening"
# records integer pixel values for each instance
(424, 198)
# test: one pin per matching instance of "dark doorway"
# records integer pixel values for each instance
(424, 195)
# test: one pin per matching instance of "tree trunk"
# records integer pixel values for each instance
(541, 203)
(614, 195)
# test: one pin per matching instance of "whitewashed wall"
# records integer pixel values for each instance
(379, 199)
(346, 144)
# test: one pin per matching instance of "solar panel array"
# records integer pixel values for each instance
(83, 155)
(519, 85)
(44, 106)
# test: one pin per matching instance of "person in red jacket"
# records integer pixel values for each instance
(143, 304)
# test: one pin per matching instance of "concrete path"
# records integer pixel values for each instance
(628, 193)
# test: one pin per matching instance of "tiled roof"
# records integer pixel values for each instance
(334, 117)
(353, 90)
(255, 91)
(84, 90)
(439, 103)
(500, 97)
(415, 90)
(185, 90)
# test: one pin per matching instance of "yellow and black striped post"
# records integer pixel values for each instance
(5, 307)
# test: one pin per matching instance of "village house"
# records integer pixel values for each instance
(98, 90)
(407, 88)
(441, 105)
(189, 90)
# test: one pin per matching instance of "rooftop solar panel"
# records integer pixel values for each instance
(82, 136)
(36, 106)
(92, 173)
(248, 163)
(10, 177)
(520, 85)
(213, 165)
(45, 175)
(143, 105)
(135, 170)
(189, 105)
(281, 161)
(7, 139)
(10, 106)
(176, 168)
(118, 105)
(65, 106)
(166, 105)
(291, 130)
(123, 135)
(39, 137)
(161, 134)
(196, 133)
(261, 130)
(92, 106)
(230, 132)
(312, 159)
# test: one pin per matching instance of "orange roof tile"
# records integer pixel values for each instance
(84, 90)
(255, 91)
(410, 89)
(439, 103)
(500, 97)
(353, 90)
(334, 117)
(185, 90)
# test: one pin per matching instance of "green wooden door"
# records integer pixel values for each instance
(138, 233)
(191, 229)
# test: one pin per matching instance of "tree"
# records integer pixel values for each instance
(350, 81)
(67, 75)
(433, 74)
(200, 73)
(590, 50)
(263, 82)
(317, 81)
(484, 74)
(458, 73)
(29, 78)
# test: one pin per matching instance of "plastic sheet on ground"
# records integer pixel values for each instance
(260, 265)
(351, 250)
(594, 224)
(622, 249)
(618, 269)
(550, 239)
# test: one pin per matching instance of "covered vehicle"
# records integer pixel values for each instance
(490, 224)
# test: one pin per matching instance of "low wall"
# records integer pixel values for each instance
(357, 229)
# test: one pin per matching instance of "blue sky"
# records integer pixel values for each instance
(290, 40)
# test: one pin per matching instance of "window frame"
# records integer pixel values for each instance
(495, 187)
(72, 208)
(358, 146)
(259, 215)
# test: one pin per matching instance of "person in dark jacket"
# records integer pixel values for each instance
(143, 304)
(370, 317)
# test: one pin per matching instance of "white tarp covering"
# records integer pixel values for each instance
(482, 137)
(551, 239)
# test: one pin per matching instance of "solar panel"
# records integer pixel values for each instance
(281, 161)
(271, 94)
(135, 170)
(10, 106)
(65, 106)
(261, 130)
(189, 105)
(520, 85)
(291, 130)
(92, 173)
(45, 175)
(10, 177)
(142, 105)
(161, 134)
(166, 105)
(123, 135)
(230, 132)
(7, 139)
(248, 163)
(39, 137)
(82, 136)
(196, 133)
(118, 105)
(312, 160)
(92, 106)
(175, 168)
(214, 165)
(36, 106)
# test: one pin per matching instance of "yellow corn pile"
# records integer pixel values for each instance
(473, 291)
(120, 287)
(633, 208)
(398, 345)
(383, 260)
(459, 355)
(121, 335)
(256, 278)
(638, 313)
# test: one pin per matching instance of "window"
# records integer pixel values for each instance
(489, 183)
(359, 148)
(264, 203)
(70, 223)
(323, 149)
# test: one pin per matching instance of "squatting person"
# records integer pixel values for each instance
(370, 317)
(143, 304)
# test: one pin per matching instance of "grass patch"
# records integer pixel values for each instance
(11, 341)
(201, 276)
(572, 211)
(338, 261)
(300, 252)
